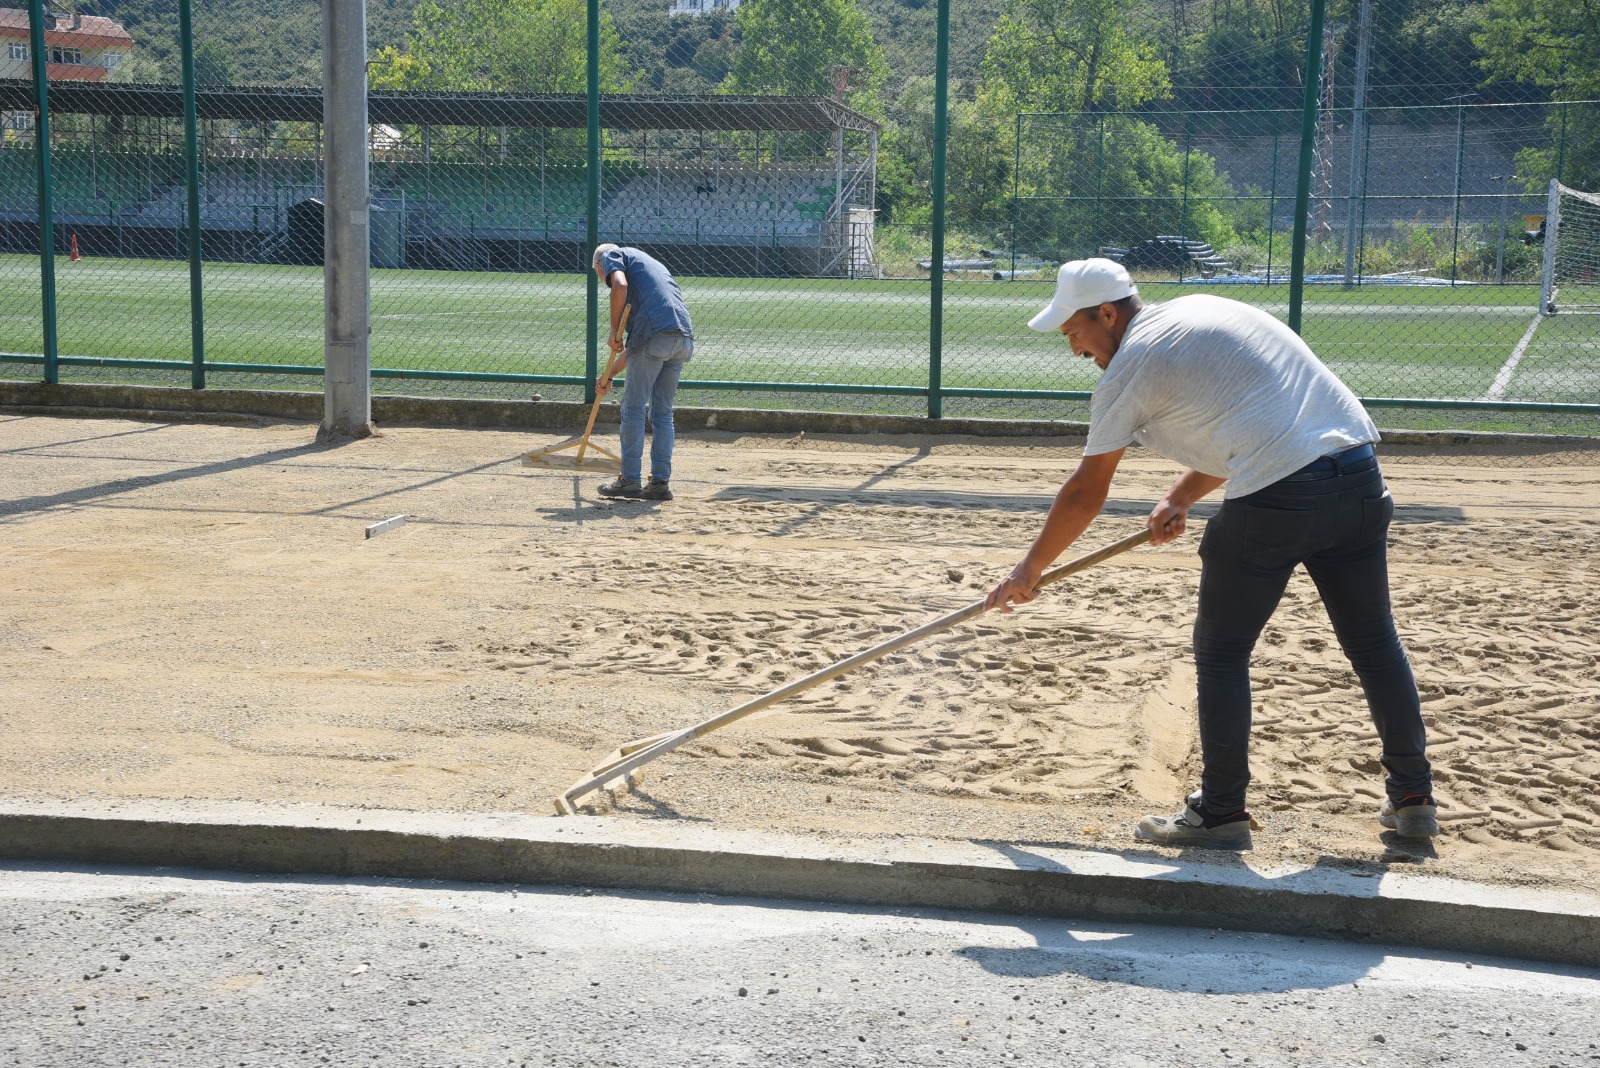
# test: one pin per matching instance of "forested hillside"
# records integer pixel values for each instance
(1220, 53)
(1080, 59)
(242, 42)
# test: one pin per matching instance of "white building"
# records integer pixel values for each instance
(696, 8)
(82, 48)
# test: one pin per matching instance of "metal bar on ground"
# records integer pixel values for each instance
(385, 526)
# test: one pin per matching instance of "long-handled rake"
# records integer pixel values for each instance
(626, 759)
(549, 456)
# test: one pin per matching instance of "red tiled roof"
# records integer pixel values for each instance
(94, 30)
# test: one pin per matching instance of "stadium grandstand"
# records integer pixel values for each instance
(768, 186)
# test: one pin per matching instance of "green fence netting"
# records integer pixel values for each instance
(801, 244)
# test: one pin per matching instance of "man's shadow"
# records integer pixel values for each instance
(1226, 956)
(597, 509)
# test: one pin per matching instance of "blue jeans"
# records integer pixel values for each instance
(652, 383)
(1333, 517)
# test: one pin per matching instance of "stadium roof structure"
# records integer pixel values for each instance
(421, 108)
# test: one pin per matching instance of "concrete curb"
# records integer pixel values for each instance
(172, 404)
(388, 410)
(1018, 878)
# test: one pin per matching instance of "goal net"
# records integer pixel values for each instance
(1571, 252)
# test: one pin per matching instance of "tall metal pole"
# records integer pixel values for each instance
(1455, 212)
(1272, 194)
(1302, 193)
(191, 159)
(1016, 189)
(1358, 122)
(347, 319)
(941, 100)
(1183, 208)
(47, 221)
(1099, 186)
(591, 362)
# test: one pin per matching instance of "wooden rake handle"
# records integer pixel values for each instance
(567, 802)
(594, 409)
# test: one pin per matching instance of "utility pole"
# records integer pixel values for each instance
(1358, 145)
(347, 314)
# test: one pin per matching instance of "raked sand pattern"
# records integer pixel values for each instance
(191, 611)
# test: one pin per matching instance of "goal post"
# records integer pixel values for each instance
(1571, 277)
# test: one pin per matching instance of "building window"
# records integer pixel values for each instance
(18, 53)
(67, 56)
(111, 60)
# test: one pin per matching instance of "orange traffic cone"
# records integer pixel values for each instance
(73, 255)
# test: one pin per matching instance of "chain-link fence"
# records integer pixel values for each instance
(1422, 269)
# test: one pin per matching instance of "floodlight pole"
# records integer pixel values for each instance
(347, 318)
(1302, 193)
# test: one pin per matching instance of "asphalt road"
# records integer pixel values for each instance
(180, 968)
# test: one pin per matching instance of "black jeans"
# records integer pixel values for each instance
(1332, 516)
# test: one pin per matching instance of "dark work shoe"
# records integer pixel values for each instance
(1411, 817)
(1188, 828)
(655, 491)
(622, 487)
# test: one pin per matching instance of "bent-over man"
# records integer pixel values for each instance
(1240, 400)
(660, 341)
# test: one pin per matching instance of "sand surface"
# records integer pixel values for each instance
(192, 611)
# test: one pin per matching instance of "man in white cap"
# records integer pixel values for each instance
(1241, 401)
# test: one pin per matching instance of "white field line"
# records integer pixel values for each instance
(1509, 368)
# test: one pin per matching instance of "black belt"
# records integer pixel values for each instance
(1335, 463)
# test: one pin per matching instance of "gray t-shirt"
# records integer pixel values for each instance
(1226, 389)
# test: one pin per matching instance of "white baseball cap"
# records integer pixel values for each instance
(1083, 284)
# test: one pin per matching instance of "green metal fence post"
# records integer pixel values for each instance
(1099, 186)
(1302, 193)
(191, 152)
(1455, 213)
(591, 364)
(1366, 165)
(941, 97)
(1272, 192)
(1016, 188)
(47, 222)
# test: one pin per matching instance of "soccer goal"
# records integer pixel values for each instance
(1571, 252)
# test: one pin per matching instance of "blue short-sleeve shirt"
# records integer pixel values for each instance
(655, 298)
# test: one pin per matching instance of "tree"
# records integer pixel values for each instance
(977, 161)
(522, 46)
(795, 46)
(1070, 56)
(1078, 62)
(212, 65)
(1554, 44)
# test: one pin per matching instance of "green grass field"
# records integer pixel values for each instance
(1385, 341)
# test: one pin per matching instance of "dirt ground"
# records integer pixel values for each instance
(192, 611)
